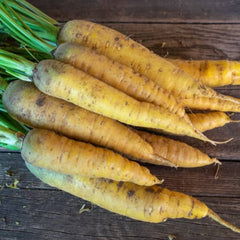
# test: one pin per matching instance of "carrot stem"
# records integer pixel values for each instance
(16, 65)
(20, 31)
(28, 25)
(37, 12)
(27, 12)
(10, 139)
(8, 122)
(35, 22)
(3, 84)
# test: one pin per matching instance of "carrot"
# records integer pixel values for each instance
(77, 158)
(123, 49)
(117, 75)
(25, 103)
(207, 121)
(73, 85)
(150, 204)
(224, 103)
(66, 82)
(179, 153)
(120, 48)
(213, 73)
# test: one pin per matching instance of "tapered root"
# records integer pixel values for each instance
(206, 139)
(223, 142)
(216, 161)
(230, 115)
(235, 121)
(216, 218)
(220, 142)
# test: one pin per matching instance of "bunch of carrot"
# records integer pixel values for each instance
(79, 103)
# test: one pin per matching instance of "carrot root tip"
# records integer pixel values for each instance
(223, 142)
(218, 219)
(235, 121)
(216, 161)
(161, 181)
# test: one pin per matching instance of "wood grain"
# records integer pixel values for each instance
(48, 215)
(196, 41)
(37, 211)
(142, 10)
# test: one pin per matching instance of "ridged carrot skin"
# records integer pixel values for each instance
(179, 153)
(213, 73)
(25, 103)
(207, 121)
(46, 149)
(222, 103)
(150, 204)
(117, 75)
(73, 85)
(123, 49)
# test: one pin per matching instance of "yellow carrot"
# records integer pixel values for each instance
(66, 82)
(123, 49)
(207, 121)
(46, 149)
(213, 73)
(179, 153)
(150, 204)
(224, 103)
(120, 48)
(117, 75)
(25, 103)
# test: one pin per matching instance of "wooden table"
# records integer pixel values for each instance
(185, 29)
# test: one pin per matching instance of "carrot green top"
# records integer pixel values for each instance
(31, 28)
(28, 25)
(16, 65)
(11, 132)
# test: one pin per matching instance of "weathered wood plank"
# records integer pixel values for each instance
(142, 10)
(42, 214)
(197, 182)
(196, 41)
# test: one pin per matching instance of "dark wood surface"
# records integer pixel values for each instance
(186, 29)
(143, 10)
